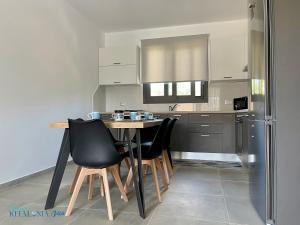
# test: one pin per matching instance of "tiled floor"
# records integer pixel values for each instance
(197, 195)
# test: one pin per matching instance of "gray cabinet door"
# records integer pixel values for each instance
(229, 133)
(201, 142)
(179, 135)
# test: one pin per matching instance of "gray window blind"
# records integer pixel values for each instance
(175, 59)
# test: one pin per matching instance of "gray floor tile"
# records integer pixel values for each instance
(236, 189)
(179, 220)
(42, 218)
(210, 208)
(241, 211)
(63, 197)
(199, 173)
(101, 217)
(234, 175)
(5, 206)
(197, 187)
(151, 202)
(24, 193)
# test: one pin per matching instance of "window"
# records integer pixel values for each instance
(176, 92)
(157, 89)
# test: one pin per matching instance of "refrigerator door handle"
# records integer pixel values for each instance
(269, 175)
(270, 112)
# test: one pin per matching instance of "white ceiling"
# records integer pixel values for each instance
(121, 15)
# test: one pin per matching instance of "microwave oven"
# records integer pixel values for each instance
(240, 103)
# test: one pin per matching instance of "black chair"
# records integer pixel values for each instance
(120, 146)
(166, 154)
(147, 135)
(150, 157)
(94, 152)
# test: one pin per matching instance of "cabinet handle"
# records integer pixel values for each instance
(116, 63)
(204, 115)
(205, 125)
(117, 82)
(241, 116)
(205, 135)
(227, 77)
(177, 115)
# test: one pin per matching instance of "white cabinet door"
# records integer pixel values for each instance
(229, 57)
(126, 55)
(116, 75)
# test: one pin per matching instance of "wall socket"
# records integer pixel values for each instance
(228, 102)
(122, 104)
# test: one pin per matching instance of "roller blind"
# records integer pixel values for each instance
(175, 59)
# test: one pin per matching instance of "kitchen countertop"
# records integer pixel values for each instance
(190, 112)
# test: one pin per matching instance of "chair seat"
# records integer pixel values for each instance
(147, 154)
(123, 144)
(98, 164)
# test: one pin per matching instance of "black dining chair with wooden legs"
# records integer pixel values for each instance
(150, 157)
(95, 154)
(166, 154)
(120, 146)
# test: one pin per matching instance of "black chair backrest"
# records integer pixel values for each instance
(160, 135)
(79, 119)
(91, 144)
(147, 134)
(167, 138)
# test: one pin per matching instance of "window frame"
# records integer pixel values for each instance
(148, 99)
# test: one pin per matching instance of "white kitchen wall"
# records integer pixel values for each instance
(132, 95)
(48, 72)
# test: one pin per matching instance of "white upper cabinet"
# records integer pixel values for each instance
(229, 57)
(119, 65)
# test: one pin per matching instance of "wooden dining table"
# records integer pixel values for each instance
(65, 152)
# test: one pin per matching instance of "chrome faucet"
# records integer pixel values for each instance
(172, 107)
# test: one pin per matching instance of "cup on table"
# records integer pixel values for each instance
(148, 116)
(134, 116)
(94, 115)
(118, 116)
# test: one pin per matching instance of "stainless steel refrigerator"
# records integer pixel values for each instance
(262, 114)
(274, 140)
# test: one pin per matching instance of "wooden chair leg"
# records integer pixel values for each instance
(75, 179)
(155, 180)
(107, 194)
(162, 173)
(128, 180)
(118, 181)
(76, 191)
(165, 167)
(101, 186)
(166, 156)
(127, 163)
(145, 168)
(91, 186)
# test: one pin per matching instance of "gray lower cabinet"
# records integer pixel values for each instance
(203, 142)
(198, 132)
(213, 133)
(179, 134)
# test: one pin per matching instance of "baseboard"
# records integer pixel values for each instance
(205, 156)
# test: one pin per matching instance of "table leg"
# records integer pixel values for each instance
(140, 167)
(59, 170)
(139, 193)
